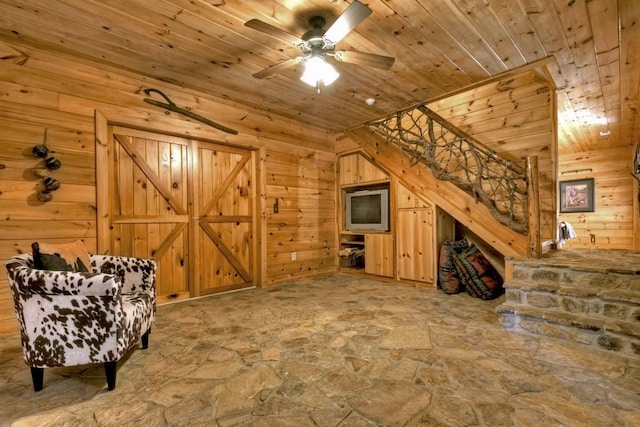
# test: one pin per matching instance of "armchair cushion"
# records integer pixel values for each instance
(61, 257)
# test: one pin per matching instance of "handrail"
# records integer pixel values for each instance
(453, 155)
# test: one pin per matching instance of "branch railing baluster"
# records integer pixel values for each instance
(452, 155)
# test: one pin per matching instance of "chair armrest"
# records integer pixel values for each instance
(136, 274)
(27, 280)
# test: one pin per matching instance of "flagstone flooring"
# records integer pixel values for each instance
(332, 351)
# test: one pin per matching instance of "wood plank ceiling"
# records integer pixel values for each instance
(440, 46)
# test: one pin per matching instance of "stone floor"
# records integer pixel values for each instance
(332, 351)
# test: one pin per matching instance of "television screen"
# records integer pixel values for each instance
(366, 209)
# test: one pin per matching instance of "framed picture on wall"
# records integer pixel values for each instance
(577, 196)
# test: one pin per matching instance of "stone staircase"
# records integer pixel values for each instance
(590, 297)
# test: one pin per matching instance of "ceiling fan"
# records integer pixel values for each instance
(317, 44)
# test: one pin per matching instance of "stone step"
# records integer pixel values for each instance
(602, 261)
(615, 294)
(620, 336)
(593, 323)
(591, 297)
(579, 278)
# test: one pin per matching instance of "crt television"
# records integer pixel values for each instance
(367, 210)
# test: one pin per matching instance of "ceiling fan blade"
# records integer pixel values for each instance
(350, 18)
(276, 32)
(366, 59)
(274, 69)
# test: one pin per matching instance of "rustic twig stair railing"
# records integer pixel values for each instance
(452, 155)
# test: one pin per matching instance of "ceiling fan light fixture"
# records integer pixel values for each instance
(316, 44)
(318, 70)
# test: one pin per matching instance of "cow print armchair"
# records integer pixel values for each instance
(70, 318)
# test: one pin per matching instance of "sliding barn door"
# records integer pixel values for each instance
(150, 209)
(187, 204)
(223, 205)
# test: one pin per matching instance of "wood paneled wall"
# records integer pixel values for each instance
(611, 225)
(302, 181)
(43, 91)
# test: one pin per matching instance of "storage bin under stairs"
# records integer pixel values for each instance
(590, 297)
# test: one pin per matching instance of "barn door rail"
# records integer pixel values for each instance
(453, 155)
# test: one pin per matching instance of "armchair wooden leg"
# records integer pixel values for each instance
(145, 339)
(37, 376)
(110, 371)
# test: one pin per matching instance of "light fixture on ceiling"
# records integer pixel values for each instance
(318, 71)
(605, 132)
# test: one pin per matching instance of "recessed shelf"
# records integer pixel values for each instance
(352, 242)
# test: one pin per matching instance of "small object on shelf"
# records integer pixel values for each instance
(351, 257)
(53, 163)
(345, 252)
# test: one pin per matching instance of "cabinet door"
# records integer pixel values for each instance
(406, 199)
(349, 169)
(355, 169)
(416, 254)
(368, 172)
(378, 254)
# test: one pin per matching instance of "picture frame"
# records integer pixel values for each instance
(577, 195)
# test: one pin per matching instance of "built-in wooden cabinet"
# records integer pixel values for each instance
(409, 250)
(416, 244)
(356, 169)
(405, 199)
(378, 254)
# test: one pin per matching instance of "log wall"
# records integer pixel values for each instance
(610, 226)
(42, 91)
